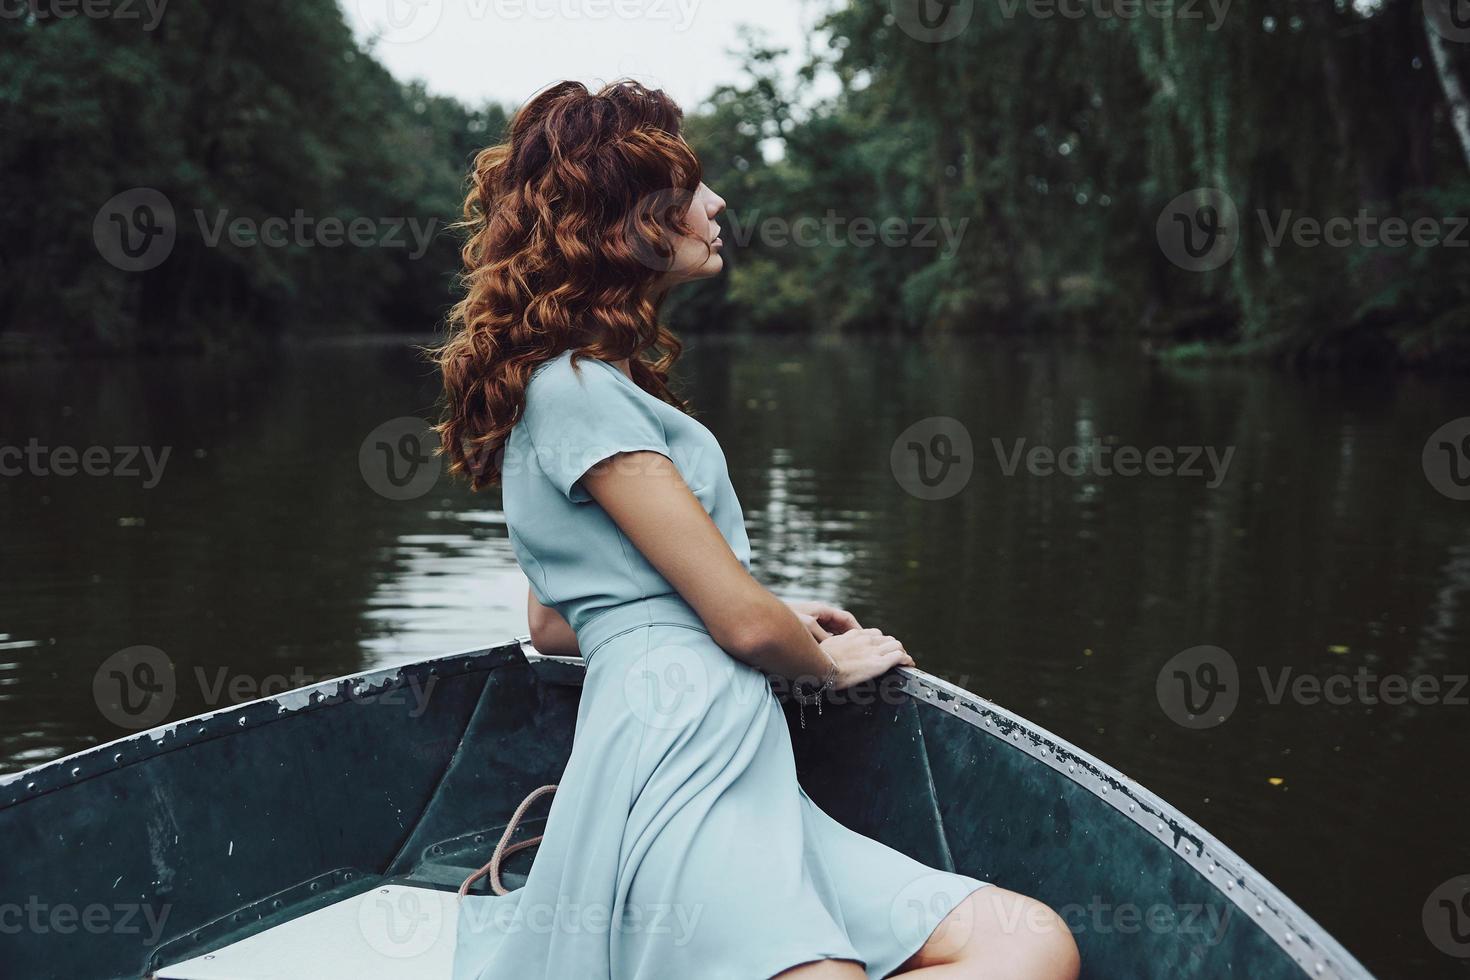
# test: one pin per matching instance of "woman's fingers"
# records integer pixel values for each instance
(838, 620)
(813, 626)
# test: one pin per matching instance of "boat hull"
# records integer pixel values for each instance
(218, 828)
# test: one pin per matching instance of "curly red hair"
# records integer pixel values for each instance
(561, 232)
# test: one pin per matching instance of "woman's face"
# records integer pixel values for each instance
(697, 252)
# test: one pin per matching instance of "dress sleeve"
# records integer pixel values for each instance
(576, 418)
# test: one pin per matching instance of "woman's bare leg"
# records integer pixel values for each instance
(996, 934)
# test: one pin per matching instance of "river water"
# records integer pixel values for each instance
(1284, 523)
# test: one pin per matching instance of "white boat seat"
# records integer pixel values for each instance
(392, 932)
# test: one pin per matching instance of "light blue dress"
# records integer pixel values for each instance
(679, 844)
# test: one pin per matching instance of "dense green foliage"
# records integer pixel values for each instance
(1008, 178)
(1062, 141)
(232, 111)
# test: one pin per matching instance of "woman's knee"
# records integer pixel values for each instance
(1023, 937)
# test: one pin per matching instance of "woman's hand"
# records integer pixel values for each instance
(862, 654)
(823, 620)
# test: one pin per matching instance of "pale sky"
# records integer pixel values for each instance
(506, 50)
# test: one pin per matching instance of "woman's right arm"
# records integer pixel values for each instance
(650, 502)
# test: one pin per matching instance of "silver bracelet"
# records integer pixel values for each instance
(802, 699)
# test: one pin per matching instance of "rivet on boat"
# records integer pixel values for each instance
(76, 771)
(30, 785)
(1161, 828)
(1259, 910)
(117, 758)
(1132, 807)
(242, 721)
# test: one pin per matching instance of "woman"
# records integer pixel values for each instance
(679, 844)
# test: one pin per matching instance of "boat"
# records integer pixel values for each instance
(324, 832)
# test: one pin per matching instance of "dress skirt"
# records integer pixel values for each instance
(679, 844)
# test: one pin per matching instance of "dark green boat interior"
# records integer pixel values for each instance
(227, 825)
